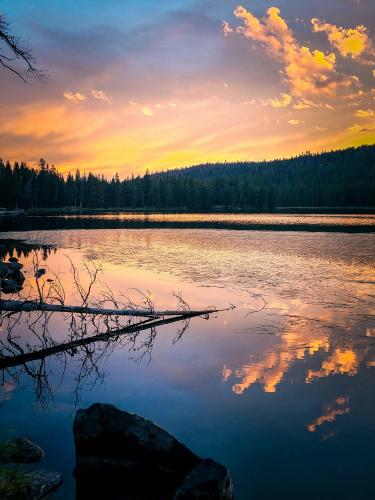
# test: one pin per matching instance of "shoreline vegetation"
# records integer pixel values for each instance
(213, 210)
(338, 182)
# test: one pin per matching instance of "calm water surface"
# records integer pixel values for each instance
(283, 397)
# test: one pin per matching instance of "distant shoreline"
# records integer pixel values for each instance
(221, 210)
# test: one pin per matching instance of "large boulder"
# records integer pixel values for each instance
(121, 455)
(126, 448)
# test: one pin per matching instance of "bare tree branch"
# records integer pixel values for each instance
(13, 50)
(28, 306)
(11, 361)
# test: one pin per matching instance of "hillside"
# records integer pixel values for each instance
(343, 178)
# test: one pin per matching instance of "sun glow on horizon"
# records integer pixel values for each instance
(255, 92)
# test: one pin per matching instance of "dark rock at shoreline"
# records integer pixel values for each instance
(23, 451)
(36, 484)
(122, 455)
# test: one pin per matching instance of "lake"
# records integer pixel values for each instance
(280, 389)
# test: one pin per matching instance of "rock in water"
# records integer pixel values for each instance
(209, 480)
(43, 482)
(130, 452)
(23, 451)
(121, 455)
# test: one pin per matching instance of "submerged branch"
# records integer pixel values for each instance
(41, 354)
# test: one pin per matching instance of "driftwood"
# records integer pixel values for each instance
(20, 359)
(31, 305)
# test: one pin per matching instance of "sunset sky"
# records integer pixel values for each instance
(137, 84)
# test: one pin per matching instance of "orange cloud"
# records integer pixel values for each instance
(365, 113)
(59, 122)
(350, 42)
(283, 102)
(74, 96)
(354, 129)
(99, 94)
(227, 28)
(307, 72)
(304, 104)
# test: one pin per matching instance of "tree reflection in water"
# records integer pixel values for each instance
(28, 346)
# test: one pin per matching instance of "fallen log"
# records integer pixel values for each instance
(33, 305)
(20, 359)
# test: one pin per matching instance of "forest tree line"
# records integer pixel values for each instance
(343, 178)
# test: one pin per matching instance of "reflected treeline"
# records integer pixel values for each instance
(23, 249)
